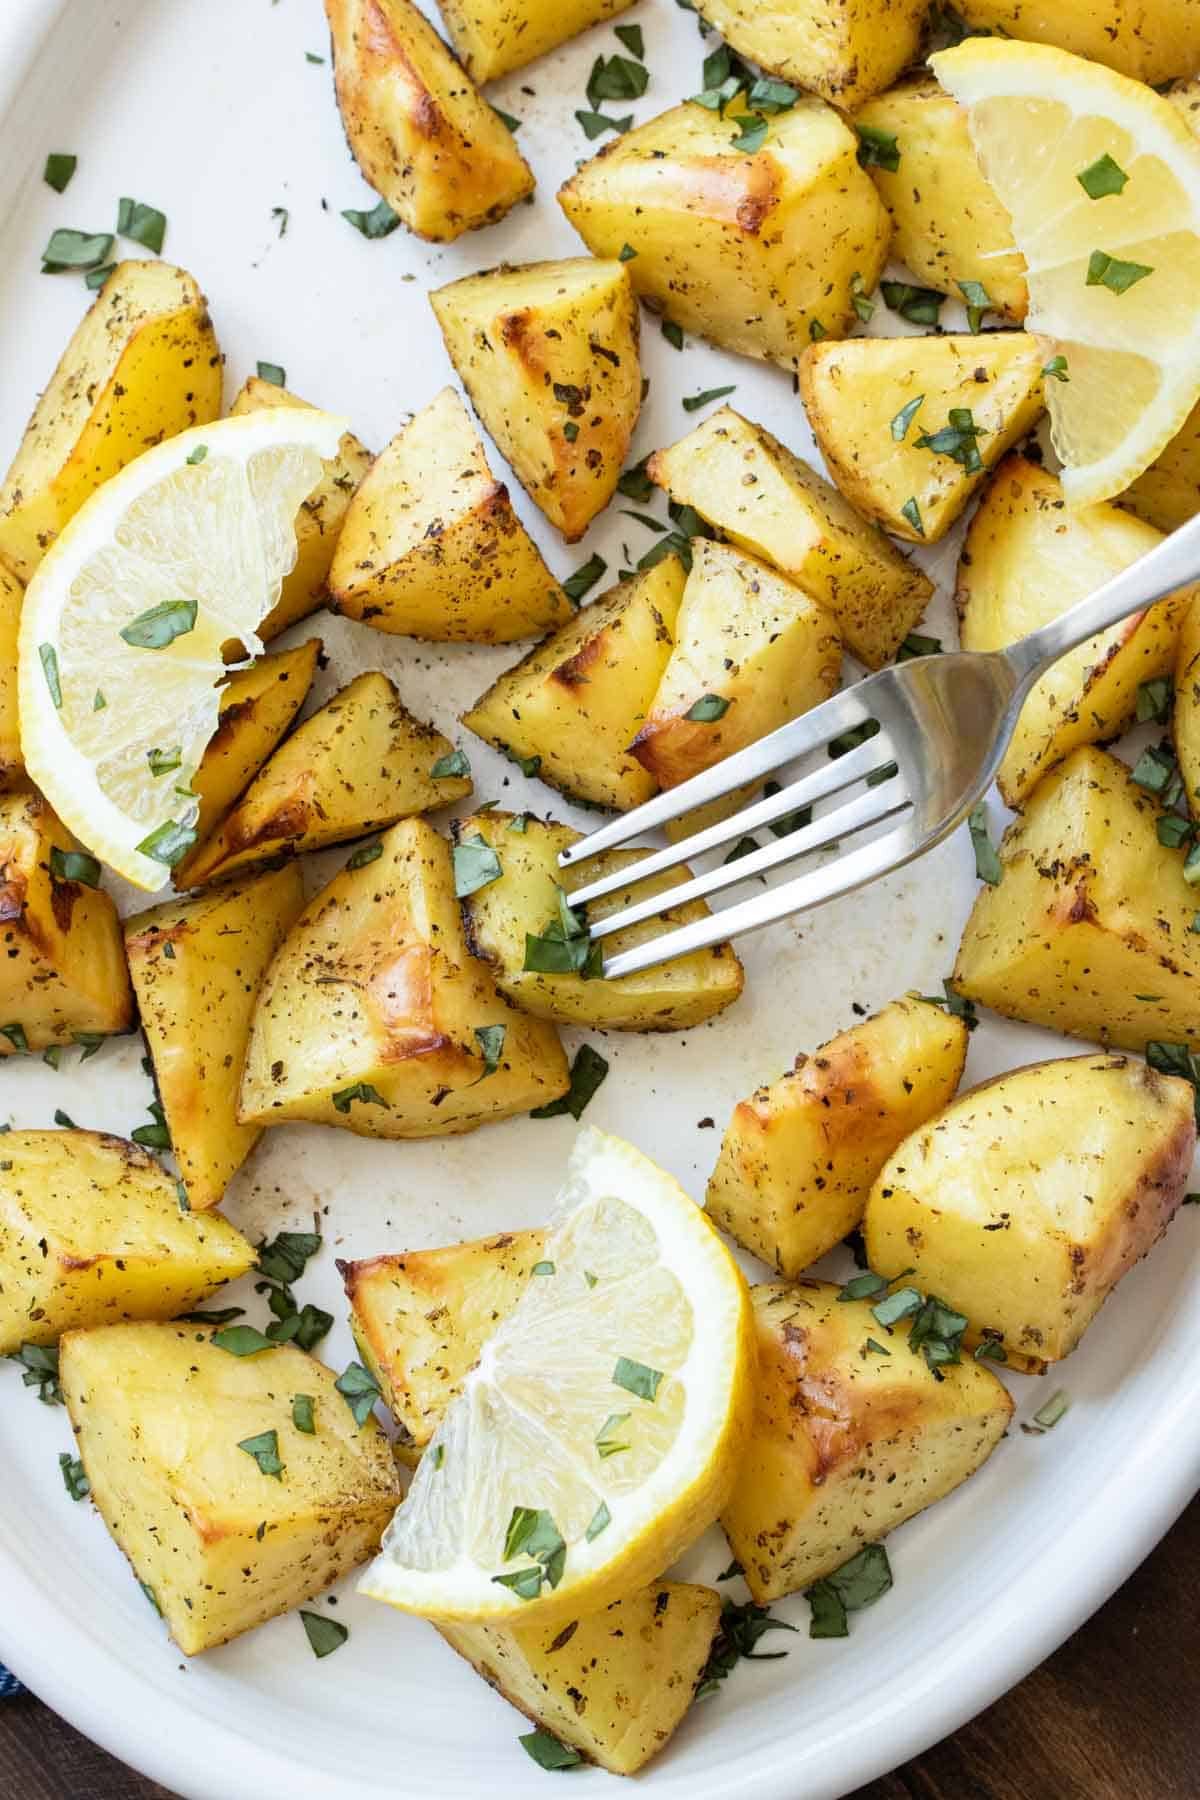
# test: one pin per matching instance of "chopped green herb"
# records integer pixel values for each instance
(162, 762)
(96, 278)
(752, 134)
(636, 1377)
(877, 149)
(53, 1056)
(693, 402)
(156, 1136)
(281, 213)
(99, 703)
(506, 118)
(325, 1635)
(1173, 831)
(740, 1630)
(302, 1414)
(361, 1091)
(631, 37)
(366, 853)
(1154, 700)
(920, 306)
(89, 1042)
(905, 417)
(285, 1257)
(570, 431)
(74, 1479)
(857, 1584)
(242, 1340)
(1048, 1415)
(745, 846)
(542, 1268)
(608, 1439)
(1109, 271)
(360, 1390)
(438, 1455)
(588, 1070)
(312, 57)
(68, 249)
(1101, 178)
(978, 302)
(273, 373)
(151, 1596)
(601, 1519)
(564, 947)
(265, 1450)
(476, 866)
(547, 1752)
(49, 660)
(915, 644)
(596, 123)
(585, 577)
(959, 440)
(626, 253)
(74, 865)
(1056, 368)
(816, 331)
(16, 1036)
(987, 863)
(912, 512)
(379, 222)
(770, 95)
(863, 305)
(635, 484)
(161, 625)
(144, 224)
(708, 709)
(455, 764)
(39, 1366)
(673, 333)
(218, 1316)
(901, 1305)
(491, 1042)
(58, 170)
(873, 1347)
(526, 1584)
(991, 1350)
(616, 78)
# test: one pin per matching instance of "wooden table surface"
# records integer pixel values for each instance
(1112, 1715)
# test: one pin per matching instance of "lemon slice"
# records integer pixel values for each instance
(1102, 178)
(123, 623)
(599, 1433)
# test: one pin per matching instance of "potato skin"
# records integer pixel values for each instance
(197, 965)
(432, 548)
(948, 226)
(577, 699)
(1026, 558)
(258, 703)
(143, 364)
(548, 353)
(1091, 912)
(844, 50)
(614, 1685)
(853, 391)
(493, 37)
(769, 502)
(799, 1155)
(320, 519)
(12, 760)
(1027, 1201)
(846, 1443)
(92, 1234)
(421, 1318)
(1152, 42)
(747, 250)
(681, 993)
(420, 131)
(159, 1412)
(374, 986)
(62, 971)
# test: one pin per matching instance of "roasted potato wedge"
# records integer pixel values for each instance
(751, 652)
(1026, 1202)
(376, 1017)
(759, 252)
(197, 965)
(573, 704)
(92, 1233)
(12, 760)
(799, 1155)
(493, 37)
(1089, 930)
(846, 1443)
(549, 355)
(1185, 720)
(420, 130)
(525, 899)
(362, 761)
(143, 364)
(844, 50)
(319, 520)
(1168, 494)
(614, 1686)
(874, 404)
(1026, 559)
(948, 225)
(258, 703)
(165, 1421)
(1158, 40)
(421, 1319)
(749, 485)
(62, 977)
(432, 548)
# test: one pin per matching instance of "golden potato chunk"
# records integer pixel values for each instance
(1089, 930)
(549, 356)
(948, 225)
(142, 365)
(525, 901)
(420, 130)
(1152, 42)
(62, 975)
(493, 37)
(359, 763)
(844, 50)
(1168, 493)
(1185, 722)
(874, 404)
(258, 703)
(1026, 559)
(197, 965)
(614, 1686)
(320, 517)
(376, 1017)
(751, 653)
(432, 548)
(420, 1320)
(92, 1233)
(749, 485)
(179, 1439)
(573, 704)
(760, 251)
(1026, 1202)
(12, 760)
(847, 1443)
(799, 1155)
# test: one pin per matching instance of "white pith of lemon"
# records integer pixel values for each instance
(100, 715)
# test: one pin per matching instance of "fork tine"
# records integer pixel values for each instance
(872, 808)
(809, 732)
(806, 891)
(841, 773)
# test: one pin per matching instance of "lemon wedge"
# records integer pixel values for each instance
(1102, 179)
(600, 1431)
(122, 626)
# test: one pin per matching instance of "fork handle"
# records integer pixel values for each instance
(1170, 565)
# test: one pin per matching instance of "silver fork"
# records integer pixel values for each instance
(940, 725)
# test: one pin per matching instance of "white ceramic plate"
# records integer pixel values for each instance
(210, 110)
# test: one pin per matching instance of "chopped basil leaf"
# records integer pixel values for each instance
(816, 331)
(542, 1268)
(156, 1136)
(242, 1340)
(198, 454)
(506, 118)
(96, 278)
(594, 123)
(273, 373)
(163, 761)
(694, 402)
(16, 1036)
(636, 1377)
(53, 1056)
(770, 95)
(1057, 368)
(912, 512)
(360, 1390)
(959, 440)
(874, 1348)
(901, 1305)
(74, 865)
(89, 1042)
(39, 1365)
(708, 709)
(673, 333)
(987, 863)
(1154, 700)
(285, 1257)
(631, 37)
(168, 843)
(877, 149)
(601, 1519)
(608, 1439)
(144, 224)
(49, 661)
(616, 78)
(151, 1596)
(380, 222)
(491, 1041)
(74, 1479)
(635, 484)
(920, 306)
(740, 1630)
(570, 431)
(362, 1091)
(1101, 178)
(626, 253)
(324, 1635)
(99, 702)
(446, 767)
(68, 249)
(863, 305)
(366, 853)
(219, 1316)
(525, 1583)
(991, 1350)
(978, 302)
(58, 170)
(161, 625)
(905, 417)
(438, 1455)
(588, 1070)
(476, 866)
(860, 1582)
(281, 213)
(585, 577)
(1173, 832)
(915, 644)
(302, 1414)
(752, 134)
(1109, 271)
(745, 846)
(547, 1752)
(1048, 1415)
(312, 57)
(265, 1450)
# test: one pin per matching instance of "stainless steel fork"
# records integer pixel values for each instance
(914, 747)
